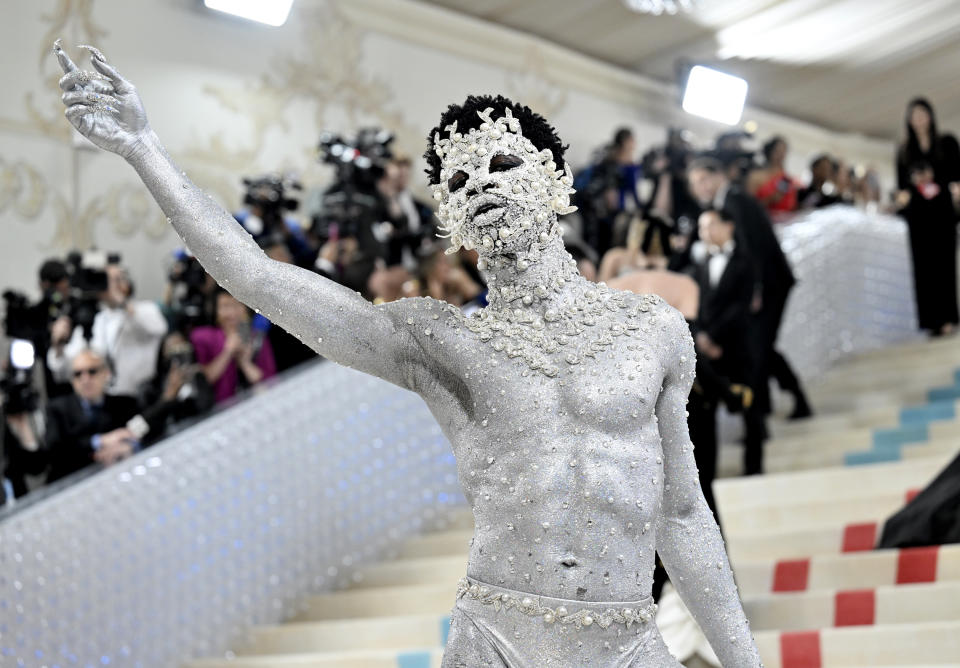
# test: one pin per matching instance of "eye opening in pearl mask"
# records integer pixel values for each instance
(457, 181)
(502, 162)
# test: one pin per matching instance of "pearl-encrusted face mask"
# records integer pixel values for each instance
(497, 192)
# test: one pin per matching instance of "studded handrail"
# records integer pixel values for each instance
(179, 551)
(854, 287)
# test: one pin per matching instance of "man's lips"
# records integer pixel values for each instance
(484, 204)
(490, 206)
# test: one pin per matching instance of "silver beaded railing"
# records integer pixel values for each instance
(180, 551)
(854, 289)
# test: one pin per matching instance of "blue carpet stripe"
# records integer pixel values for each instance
(444, 630)
(931, 412)
(910, 433)
(886, 444)
(413, 660)
(871, 457)
(950, 392)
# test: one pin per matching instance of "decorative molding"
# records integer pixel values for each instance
(23, 188)
(328, 75)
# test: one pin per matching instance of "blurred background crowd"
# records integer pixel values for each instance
(93, 373)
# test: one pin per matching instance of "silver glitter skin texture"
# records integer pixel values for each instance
(564, 401)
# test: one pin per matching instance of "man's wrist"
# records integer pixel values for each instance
(146, 145)
(96, 441)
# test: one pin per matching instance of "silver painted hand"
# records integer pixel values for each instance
(102, 105)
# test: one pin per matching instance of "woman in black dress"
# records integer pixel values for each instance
(928, 178)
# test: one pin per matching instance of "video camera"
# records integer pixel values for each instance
(352, 202)
(268, 198)
(87, 272)
(190, 288)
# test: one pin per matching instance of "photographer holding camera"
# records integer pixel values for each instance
(367, 220)
(179, 390)
(126, 332)
(264, 216)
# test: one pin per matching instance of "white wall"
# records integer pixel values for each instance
(231, 98)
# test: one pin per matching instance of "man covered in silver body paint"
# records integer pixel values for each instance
(564, 401)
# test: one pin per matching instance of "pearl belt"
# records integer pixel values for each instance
(585, 614)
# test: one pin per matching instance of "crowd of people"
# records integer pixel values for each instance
(109, 374)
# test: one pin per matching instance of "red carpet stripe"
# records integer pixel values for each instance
(854, 608)
(791, 575)
(800, 650)
(859, 537)
(917, 564)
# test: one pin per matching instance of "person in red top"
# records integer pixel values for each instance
(771, 184)
(232, 353)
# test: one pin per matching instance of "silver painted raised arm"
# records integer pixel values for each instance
(333, 320)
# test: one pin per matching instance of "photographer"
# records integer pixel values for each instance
(125, 332)
(368, 222)
(179, 390)
(188, 293)
(266, 201)
(20, 452)
(607, 189)
(414, 224)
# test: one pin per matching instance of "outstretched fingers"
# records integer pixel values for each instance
(65, 63)
(109, 71)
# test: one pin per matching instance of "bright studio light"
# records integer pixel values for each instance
(715, 95)
(272, 12)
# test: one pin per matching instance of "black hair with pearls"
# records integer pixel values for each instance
(535, 127)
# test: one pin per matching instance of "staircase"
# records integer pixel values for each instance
(800, 539)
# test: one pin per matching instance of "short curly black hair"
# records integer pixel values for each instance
(535, 127)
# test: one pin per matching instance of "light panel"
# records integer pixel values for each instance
(715, 95)
(272, 12)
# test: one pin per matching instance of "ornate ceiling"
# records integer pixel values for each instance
(848, 65)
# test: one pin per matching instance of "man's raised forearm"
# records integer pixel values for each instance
(221, 244)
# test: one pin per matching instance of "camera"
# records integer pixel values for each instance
(87, 273)
(189, 287)
(352, 202)
(19, 395)
(268, 199)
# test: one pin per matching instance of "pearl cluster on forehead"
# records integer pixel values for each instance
(549, 189)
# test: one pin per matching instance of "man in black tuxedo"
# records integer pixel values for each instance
(726, 275)
(88, 426)
(709, 185)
